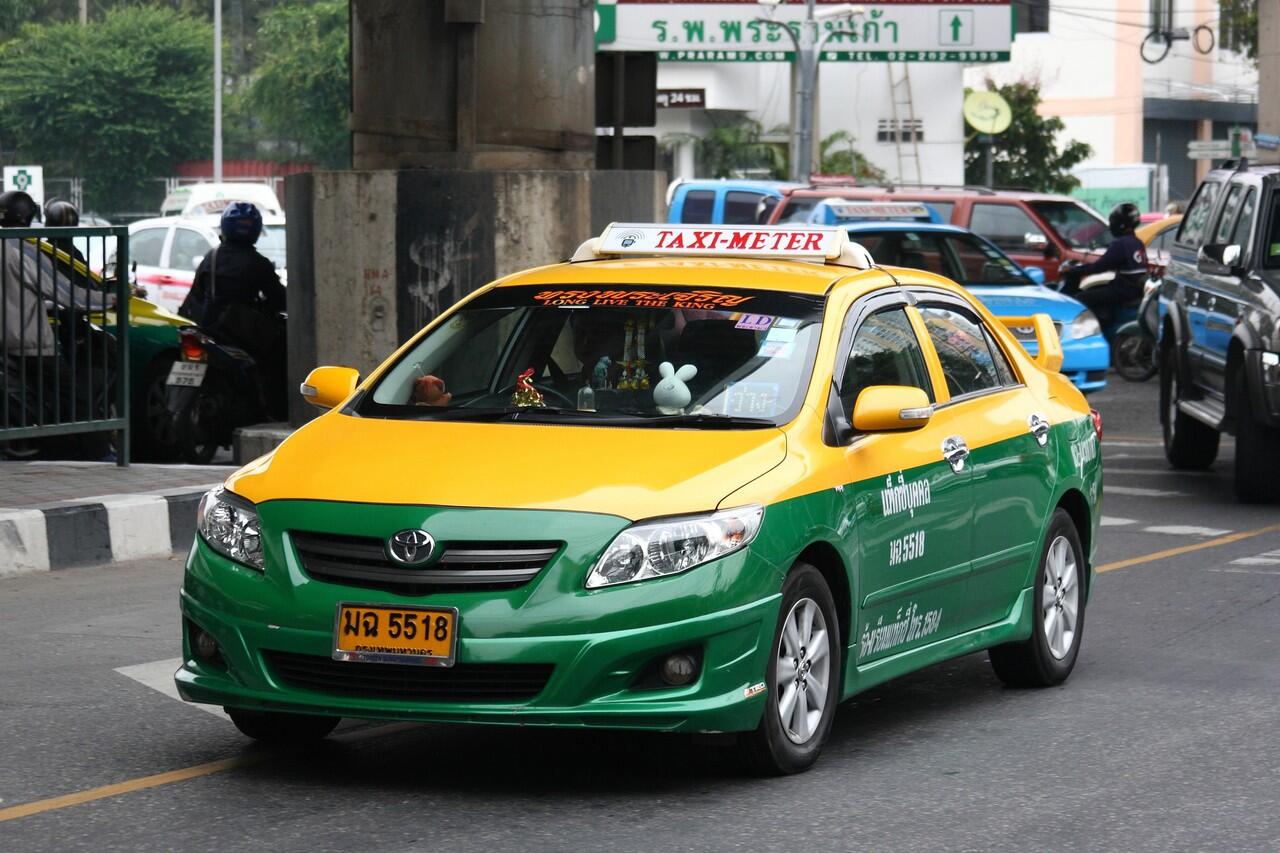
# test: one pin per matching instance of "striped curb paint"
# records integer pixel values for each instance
(105, 529)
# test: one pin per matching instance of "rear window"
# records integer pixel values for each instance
(698, 205)
(1197, 219)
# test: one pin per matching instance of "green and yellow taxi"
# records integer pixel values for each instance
(696, 479)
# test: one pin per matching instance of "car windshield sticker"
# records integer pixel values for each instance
(776, 349)
(754, 322)
(781, 335)
(751, 399)
(707, 299)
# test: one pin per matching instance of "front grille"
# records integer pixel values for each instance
(461, 567)
(464, 682)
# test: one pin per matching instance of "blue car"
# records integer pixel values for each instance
(897, 236)
(723, 202)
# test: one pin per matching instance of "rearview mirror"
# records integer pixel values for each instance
(1220, 259)
(326, 387)
(885, 408)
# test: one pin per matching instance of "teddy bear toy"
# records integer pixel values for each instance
(429, 391)
(671, 394)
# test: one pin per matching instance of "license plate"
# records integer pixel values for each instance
(188, 374)
(382, 634)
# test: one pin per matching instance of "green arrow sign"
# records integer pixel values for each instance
(955, 28)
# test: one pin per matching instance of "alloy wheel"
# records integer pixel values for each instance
(803, 670)
(1060, 598)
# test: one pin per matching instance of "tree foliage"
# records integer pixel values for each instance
(300, 89)
(741, 149)
(118, 102)
(1027, 154)
(839, 157)
(1238, 26)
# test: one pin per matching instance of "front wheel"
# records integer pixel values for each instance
(1134, 356)
(1049, 654)
(803, 677)
(278, 729)
(1257, 451)
(1188, 444)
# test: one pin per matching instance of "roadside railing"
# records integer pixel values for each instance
(64, 336)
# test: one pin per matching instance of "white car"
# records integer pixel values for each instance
(167, 251)
(197, 200)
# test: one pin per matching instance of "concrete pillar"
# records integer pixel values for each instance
(376, 255)
(1269, 69)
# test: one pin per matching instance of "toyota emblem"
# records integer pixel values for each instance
(410, 547)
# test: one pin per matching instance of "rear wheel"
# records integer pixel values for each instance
(274, 728)
(1049, 654)
(1257, 451)
(803, 678)
(1188, 443)
(198, 427)
(1134, 356)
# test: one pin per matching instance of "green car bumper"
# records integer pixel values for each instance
(581, 658)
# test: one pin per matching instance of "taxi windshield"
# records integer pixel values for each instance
(617, 355)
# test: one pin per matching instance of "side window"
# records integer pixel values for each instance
(969, 360)
(740, 207)
(1227, 216)
(1244, 222)
(1008, 226)
(1197, 218)
(885, 351)
(145, 246)
(1271, 248)
(698, 205)
(187, 249)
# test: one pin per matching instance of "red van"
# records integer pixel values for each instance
(1035, 229)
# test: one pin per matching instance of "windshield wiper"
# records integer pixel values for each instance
(514, 413)
(711, 421)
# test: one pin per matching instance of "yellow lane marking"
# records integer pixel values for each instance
(141, 783)
(1187, 549)
(157, 779)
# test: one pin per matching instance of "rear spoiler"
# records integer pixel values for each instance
(1049, 346)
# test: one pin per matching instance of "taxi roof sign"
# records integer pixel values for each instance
(804, 242)
(844, 211)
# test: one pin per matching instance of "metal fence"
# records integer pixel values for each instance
(64, 333)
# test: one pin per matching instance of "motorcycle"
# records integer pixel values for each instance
(1135, 352)
(1129, 353)
(214, 388)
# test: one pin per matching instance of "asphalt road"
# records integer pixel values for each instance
(1163, 739)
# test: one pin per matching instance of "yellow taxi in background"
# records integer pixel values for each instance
(698, 478)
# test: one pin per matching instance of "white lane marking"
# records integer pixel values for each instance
(139, 526)
(158, 675)
(1186, 530)
(1267, 558)
(1141, 493)
(1159, 472)
(1113, 521)
(1245, 572)
(24, 542)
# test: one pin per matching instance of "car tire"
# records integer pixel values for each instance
(1134, 357)
(1189, 445)
(1047, 657)
(792, 732)
(270, 727)
(1257, 451)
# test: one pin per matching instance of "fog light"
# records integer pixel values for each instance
(679, 669)
(205, 646)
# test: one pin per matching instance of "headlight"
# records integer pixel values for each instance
(1085, 325)
(1271, 368)
(654, 549)
(229, 523)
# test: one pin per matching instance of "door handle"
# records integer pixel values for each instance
(1039, 427)
(955, 451)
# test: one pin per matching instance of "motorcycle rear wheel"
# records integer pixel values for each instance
(1134, 357)
(197, 428)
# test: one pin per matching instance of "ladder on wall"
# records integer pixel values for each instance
(905, 124)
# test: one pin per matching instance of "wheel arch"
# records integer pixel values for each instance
(1074, 503)
(824, 557)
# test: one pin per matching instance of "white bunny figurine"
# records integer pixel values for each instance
(671, 394)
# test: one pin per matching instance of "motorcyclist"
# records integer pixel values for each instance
(1126, 257)
(63, 214)
(30, 345)
(237, 294)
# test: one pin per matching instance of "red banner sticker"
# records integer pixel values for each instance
(703, 299)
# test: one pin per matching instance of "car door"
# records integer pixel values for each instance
(913, 510)
(1016, 233)
(1006, 432)
(1196, 229)
(146, 250)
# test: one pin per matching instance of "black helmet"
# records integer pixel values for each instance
(1125, 218)
(17, 209)
(61, 214)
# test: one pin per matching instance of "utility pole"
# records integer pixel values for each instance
(1269, 69)
(217, 91)
(84, 13)
(807, 49)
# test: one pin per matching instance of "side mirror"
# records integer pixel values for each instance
(886, 408)
(1220, 259)
(1035, 240)
(326, 387)
(1034, 273)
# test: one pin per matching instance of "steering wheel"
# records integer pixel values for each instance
(547, 391)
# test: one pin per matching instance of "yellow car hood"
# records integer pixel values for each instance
(632, 473)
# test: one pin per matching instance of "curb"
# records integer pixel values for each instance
(107, 529)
